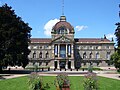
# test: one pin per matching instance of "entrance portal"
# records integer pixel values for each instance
(69, 64)
(55, 64)
(62, 64)
(62, 51)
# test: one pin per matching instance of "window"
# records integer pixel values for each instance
(56, 50)
(84, 55)
(96, 47)
(81, 47)
(90, 47)
(97, 55)
(63, 51)
(107, 47)
(84, 47)
(90, 56)
(69, 49)
(62, 30)
(47, 55)
(40, 55)
(108, 55)
(34, 55)
(40, 47)
(46, 63)
(46, 46)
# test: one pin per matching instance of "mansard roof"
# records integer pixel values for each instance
(92, 40)
(77, 40)
(41, 40)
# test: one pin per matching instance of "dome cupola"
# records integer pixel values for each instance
(63, 27)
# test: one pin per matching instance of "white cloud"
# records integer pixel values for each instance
(48, 26)
(110, 36)
(79, 28)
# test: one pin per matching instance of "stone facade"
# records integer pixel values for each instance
(62, 50)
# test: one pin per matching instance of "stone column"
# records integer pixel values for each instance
(69, 49)
(72, 64)
(66, 66)
(66, 50)
(58, 50)
(58, 64)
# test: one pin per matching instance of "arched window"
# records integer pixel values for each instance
(69, 49)
(40, 55)
(90, 56)
(97, 55)
(47, 55)
(84, 55)
(108, 55)
(62, 30)
(56, 50)
(34, 55)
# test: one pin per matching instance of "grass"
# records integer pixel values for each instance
(14, 84)
(76, 83)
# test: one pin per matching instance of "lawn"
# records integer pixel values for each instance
(76, 83)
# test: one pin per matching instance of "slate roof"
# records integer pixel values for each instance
(96, 40)
(41, 40)
(81, 40)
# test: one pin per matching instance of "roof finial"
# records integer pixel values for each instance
(63, 7)
(105, 36)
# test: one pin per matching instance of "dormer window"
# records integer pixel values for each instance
(62, 30)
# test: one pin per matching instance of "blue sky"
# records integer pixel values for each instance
(90, 18)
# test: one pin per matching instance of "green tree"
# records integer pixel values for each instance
(115, 59)
(117, 33)
(14, 38)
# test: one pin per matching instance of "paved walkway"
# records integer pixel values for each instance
(114, 76)
(107, 74)
(9, 76)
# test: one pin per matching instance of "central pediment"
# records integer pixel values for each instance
(63, 39)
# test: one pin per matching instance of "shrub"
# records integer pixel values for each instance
(35, 82)
(93, 68)
(61, 80)
(90, 82)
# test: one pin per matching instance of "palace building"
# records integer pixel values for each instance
(62, 50)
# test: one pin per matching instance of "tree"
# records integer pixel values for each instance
(115, 59)
(117, 33)
(14, 38)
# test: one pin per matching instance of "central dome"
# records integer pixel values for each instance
(63, 23)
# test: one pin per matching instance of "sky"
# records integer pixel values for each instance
(90, 18)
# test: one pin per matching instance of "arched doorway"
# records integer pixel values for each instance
(62, 64)
(69, 64)
(55, 64)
